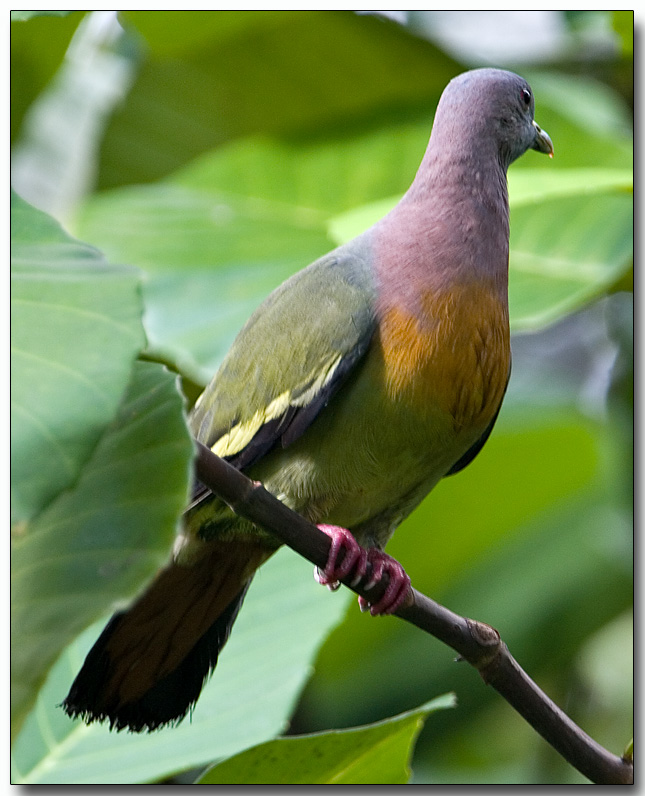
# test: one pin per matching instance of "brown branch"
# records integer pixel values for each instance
(476, 642)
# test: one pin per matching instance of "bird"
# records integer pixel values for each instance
(353, 389)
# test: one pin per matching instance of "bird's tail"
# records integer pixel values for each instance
(150, 663)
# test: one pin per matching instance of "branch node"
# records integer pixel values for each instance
(484, 635)
(489, 648)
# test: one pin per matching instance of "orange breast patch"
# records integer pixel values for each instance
(454, 358)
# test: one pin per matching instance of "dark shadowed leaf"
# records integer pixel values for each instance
(210, 77)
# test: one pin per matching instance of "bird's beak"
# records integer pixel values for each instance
(542, 141)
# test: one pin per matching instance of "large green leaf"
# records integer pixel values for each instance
(313, 179)
(577, 103)
(212, 76)
(533, 187)
(567, 250)
(259, 676)
(378, 754)
(527, 186)
(209, 259)
(76, 329)
(99, 540)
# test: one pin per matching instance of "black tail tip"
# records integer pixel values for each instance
(134, 717)
(94, 698)
(91, 698)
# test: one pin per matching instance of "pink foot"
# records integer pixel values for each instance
(355, 561)
(398, 583)
(355, 558)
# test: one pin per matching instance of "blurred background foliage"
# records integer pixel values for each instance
(205, 156)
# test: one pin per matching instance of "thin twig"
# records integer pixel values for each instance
(476, 642)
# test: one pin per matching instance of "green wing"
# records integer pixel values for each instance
(289, 359)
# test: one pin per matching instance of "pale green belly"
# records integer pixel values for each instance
(366, 462)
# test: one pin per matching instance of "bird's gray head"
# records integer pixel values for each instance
(489, 111)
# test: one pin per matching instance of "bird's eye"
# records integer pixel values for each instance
(526, 96)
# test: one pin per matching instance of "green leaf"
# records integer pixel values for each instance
(590, 121)
(259, 676)
(526, 186)
(314, 179)
(378, 754)
(211, 77)
(210, 259)
(76, 329)
(535, 186)
(566, 251)
(99, 540)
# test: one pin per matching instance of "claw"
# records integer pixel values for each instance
(320, 577)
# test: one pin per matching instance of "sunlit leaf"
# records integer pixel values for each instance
(565, 252)
(378, 754)
(209, 259)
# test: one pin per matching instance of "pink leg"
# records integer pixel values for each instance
(355, 561)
